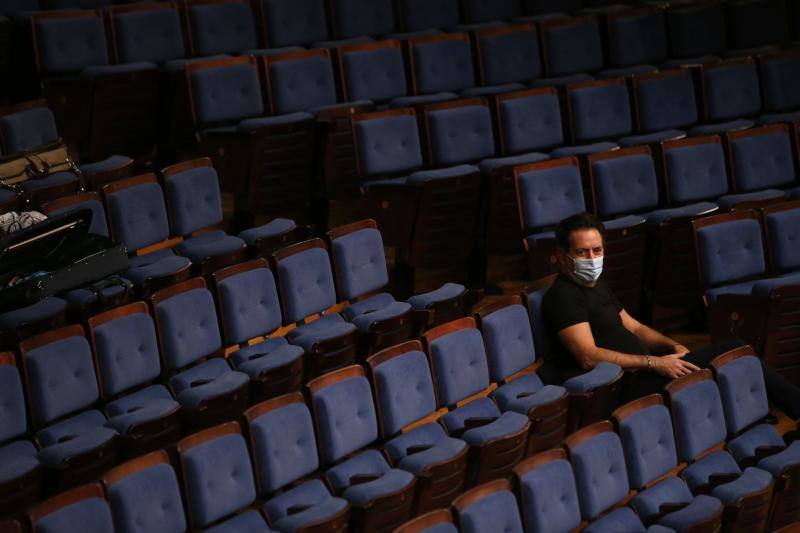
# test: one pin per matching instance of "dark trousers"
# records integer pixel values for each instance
(781, 392)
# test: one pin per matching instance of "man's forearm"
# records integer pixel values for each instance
(625, 360)
(654, 340)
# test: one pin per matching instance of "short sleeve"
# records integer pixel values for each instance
(613, 298)
(564, 306)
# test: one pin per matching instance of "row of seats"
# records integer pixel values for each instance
(612, 481)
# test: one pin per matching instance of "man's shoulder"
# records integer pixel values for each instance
(562, 288)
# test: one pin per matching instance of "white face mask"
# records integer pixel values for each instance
(587, 270)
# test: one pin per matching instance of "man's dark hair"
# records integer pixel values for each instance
(574, 223)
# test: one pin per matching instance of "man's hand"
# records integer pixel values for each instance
(673, 366)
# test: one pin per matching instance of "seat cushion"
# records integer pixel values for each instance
(526, 392)
(767, 285)
(722, 127)
(602, 374)
(312, 494)
(368, 305)
(273, 228)
(249, 522)
(720, 462)
(53, 180)
(324, 328)
(444, 450)
(220, 380)
(82, 433)
(489, 165)
(702, 508)
(506, 424)
(41, 310)
(622, 519)
(211, 244)
(424, 176)
(155, 265)
(365, 321)
(650, 138)
(744, 288)
(448, 291)
(80, 298)
(584, 149)
(671, 490)
(17, 459)
(776, 464)
(367, 462)
(423, 99)
(441, 447)
(774, 118)
(392, 481)
(251, 124)
(265, 361)
(745, 445)
(751, 481)
(691, 210)
(727, 202)
(143, 405)
(491, 90)
(104, 165)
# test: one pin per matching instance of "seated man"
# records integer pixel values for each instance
(587, 325)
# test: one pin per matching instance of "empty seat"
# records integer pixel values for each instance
(507, 57)
(84, 505)
(547, 492)
(571, 48)
(438, 521)
(20, 473)
(307, 289)
(293, 22)
(423, 449)
(652, 462)
(762, 161)
(114, 109)
(696, 32)
(664, 101)
(420, 15)
(284, 451)
(221, 27)
(206, 458)
(344, 415)
(127, 358)
(487, 507)
(144, 495)
(440, 65)
(731, 95)
(189, 338)
(511, 354)
(354, 19)
(62, 385)
(600, 110)
(461, 372)
(637, 41)
(137, 216)
(696, 397)
(373, 71)
(780, 75)
(146, 32)
(250, 312)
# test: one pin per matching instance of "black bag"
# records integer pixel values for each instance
(54, 256)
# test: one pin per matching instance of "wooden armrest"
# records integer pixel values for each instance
(358, 479)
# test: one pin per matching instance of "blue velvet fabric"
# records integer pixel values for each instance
(572, 49)
(720, 128)
(776, 464)
(727, 202)
(732, 91)
(638, 38)
(324, 328)
(766, 286)
(730, 251)
(375, 303)
(273, 228)
(73, 436)
(149, 36)
(780, 83)
(127, 352)
(188, 327)
(745, 287)
(699, 417)
(28, 129)
(307, 281)
(360, 263)
(479, 11)
(392, 481)
(284, 446)
(247, 522)
(531, 123)
(513, 57)
(625, 184)
(686, 211)
(461, 135)
(148, 500)
(388, 145)
(13, 421)
(195, 201)
(52, 180)
(219, 478)
(443, 66)
(418, 15)
(346, 420)
(602, 374)
(526, 392)
(507, 423)
(220, 381)
(145, 405)
(138, 216)
(301, 84)
(366, 321)
(700, 509)
(600, 473)
(425, 176)
(783, 229)
(223, 28)
(428, 299)
(549, 195)
(92, 514)
(250, 305)
(744, 394)
(440, 448)
(99, 225)
(622, 519)
(549, 498)
(600, 112)
(649, 444)
(698, 473)
(68, 45)
(745, 446)
(509, 341)
(376, 75)
(265, 356)
(313, 494)
(226, 93)
(763, 161)
(295, 22)
(495, 512)
(488, 166)
(459, 365)
(17, 459)
(752, 480)
(155, 265)
(61, 378)
(405, 389)
(353, 18)
(210, 244)
(671, 490)
(696, 172)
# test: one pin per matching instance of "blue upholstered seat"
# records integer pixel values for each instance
(460, 135)
(446, 292)
(763, 161)
(207, 245)
(247, 522)
(52, 180)
(779, 81)
(572, 49)
(731, 91)
(510, 58)
(354, 18)
(637, 37)
(67, 45)
(443, 66)
(440, 448)
(549, 195)
(672, 490)
(146, 500)
(423, 99)
(98, 225)
(96, 71)
(602, 374)
(273, 228)
(75, 435)
(312, 494)
(782, 228)
(156, 264)
(584, 149)
(600, 112)
(526, 392)
(250, 308)
(295, 22)
(17, 459)
(625, 71)
(721, 127)
(261, 357)
(145, 405)
(221, 28)
(92, 513)
(377, 75)
(776, 464)
(549, 498)
(313, 74)
(420, 15)
(751, 481)
(324, 328)
(600, 474)
(692, 210)
(666, 102)
(44, 309)
(497, 511)
(622, 519)
(651, 138)
(149, 35)
(494, 163)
